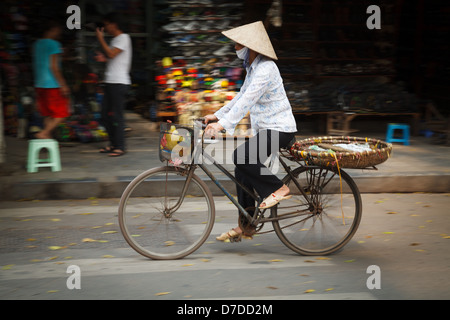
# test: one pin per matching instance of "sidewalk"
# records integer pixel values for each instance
(420, 167)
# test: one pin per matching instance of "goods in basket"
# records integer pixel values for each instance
(175, 142)
(171, 138)
(343, 152)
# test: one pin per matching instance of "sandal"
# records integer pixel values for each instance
(116, 153)
(231, 236)
(273, 200)
(106, 149)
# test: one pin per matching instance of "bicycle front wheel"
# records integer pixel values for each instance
(162, 217)
(323, 221)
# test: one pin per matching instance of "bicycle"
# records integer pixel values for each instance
(168, 212)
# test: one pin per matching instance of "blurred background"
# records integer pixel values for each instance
(339, 75)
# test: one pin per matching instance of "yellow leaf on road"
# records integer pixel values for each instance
(162, 293)
(56, 247)
(105, 232)
(309, 291)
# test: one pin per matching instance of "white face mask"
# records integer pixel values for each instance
(242, 53)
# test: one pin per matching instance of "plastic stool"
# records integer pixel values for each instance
(397, 126)
(35, 146)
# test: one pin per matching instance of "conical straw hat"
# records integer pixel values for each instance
(254, 37)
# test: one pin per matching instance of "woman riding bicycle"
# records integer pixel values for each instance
(272, 120)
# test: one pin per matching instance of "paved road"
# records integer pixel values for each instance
(405, 235)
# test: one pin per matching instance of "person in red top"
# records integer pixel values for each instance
(52, 93)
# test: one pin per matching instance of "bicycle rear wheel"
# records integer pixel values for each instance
(159, 221)
(328, 221)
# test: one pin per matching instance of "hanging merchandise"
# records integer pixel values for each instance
(201, 73)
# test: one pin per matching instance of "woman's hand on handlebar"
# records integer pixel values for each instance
(210, 118)
(213, 129)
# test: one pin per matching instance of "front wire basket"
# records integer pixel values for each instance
(342, 152)
(176, 143)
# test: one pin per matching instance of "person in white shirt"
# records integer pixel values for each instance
(272, 120)
(117, 80)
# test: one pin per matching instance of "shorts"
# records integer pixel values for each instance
(51, 103)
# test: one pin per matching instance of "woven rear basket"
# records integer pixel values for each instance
(334, 156)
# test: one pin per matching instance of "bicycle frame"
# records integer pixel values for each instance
(315, 191)
(225, 191)
(253, 220)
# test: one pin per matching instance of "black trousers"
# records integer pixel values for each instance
(112, 113)
(250, 170)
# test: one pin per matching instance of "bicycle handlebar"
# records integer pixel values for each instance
(204, 125)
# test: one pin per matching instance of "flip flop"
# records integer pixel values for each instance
(231, 235)
(116, 153)
(106, 149)
(273, 200)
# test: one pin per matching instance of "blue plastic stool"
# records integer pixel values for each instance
(35, 146)
(397, 126)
